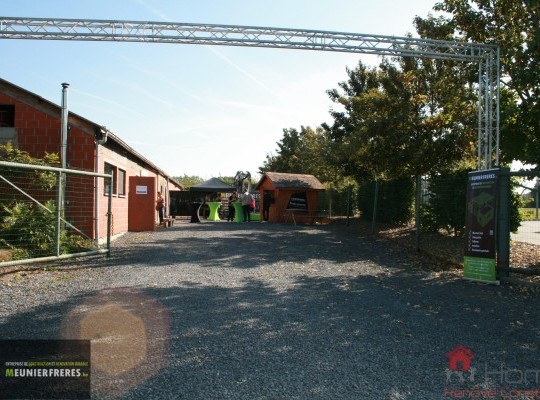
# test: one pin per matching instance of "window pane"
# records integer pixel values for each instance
(109, 169)
(7, 116)
(121, 182)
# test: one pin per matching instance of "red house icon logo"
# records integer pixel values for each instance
(460, 358)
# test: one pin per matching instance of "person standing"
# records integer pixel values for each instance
(230, 212)
(246, 204)
(267, 201)
(160, 205)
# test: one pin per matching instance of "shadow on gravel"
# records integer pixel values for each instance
(243, 246)
(344, 337)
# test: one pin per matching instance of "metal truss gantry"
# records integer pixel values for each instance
(486, 56)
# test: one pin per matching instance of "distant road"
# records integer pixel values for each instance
(529, 232)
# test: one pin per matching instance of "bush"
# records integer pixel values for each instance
(26, 226)
(338, 198)
(527, 214)
(516, 202)
(29, 230)
(445, 205)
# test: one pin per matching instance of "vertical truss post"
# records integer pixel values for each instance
(497, 105)
(487, 114)
(492, 76)
(481, 120)
(488, 110)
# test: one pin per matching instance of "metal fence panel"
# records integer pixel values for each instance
(525, 241)
(428, 214)
(48, 213)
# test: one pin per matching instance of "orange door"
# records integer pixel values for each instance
(142, 204)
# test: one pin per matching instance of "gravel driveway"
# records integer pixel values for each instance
(271, 311)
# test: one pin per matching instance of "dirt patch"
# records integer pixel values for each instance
(5, 255)
(439, 251)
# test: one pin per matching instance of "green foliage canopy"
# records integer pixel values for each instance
(188, 181)
(513, 26)
(303, 152)
(403, 119)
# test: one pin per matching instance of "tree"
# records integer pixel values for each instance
(513, 25)
(305, 151)
(188, 181)
(289, 153)
(402, 119)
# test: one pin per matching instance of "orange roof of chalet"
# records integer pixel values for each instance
(282, 180)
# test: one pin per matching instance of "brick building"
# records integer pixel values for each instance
(33, 124)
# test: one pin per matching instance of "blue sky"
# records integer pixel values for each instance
(198, 110)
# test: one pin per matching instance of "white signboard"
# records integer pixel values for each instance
(141, 189)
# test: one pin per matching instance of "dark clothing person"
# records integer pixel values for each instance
(230, 214)
(160, 205)
(267, 201)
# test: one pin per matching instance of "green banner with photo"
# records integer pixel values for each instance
(480, 226)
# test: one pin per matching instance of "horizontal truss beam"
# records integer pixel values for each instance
(486, 56)
(235, 35)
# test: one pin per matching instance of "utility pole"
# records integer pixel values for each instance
(61, 178)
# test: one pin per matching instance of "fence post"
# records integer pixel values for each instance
(417, 214)
(330, 200)
(503, 224)
(59, 197)
(349, 188)
(536, 201)
(109, 216)
(375, 199)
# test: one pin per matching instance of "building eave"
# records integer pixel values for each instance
(50, 108)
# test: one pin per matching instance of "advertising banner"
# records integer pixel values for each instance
(480, 228)
(45, 369)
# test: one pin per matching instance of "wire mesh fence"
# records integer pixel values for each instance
(49, 213)
(525, 240)
(428, 213)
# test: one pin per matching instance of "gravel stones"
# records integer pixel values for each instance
(270, 311)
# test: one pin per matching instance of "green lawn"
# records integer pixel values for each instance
(528, 214)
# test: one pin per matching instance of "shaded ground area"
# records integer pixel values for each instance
(445, 252)
(270, 311)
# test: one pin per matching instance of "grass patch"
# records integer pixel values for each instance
(528, 214)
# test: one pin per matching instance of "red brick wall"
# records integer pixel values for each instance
(39, 132)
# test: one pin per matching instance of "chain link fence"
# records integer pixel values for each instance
(49, 213)
(428, 214)
(525, 239)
